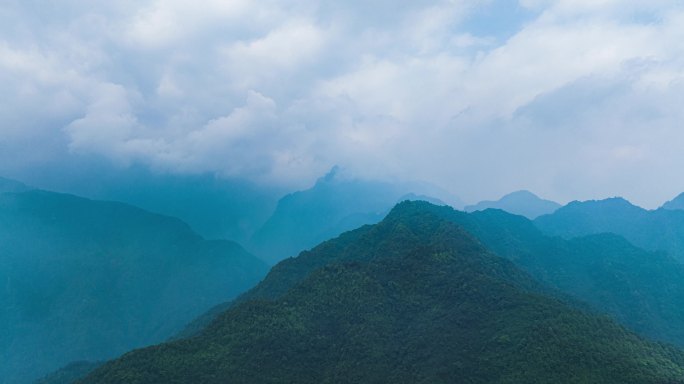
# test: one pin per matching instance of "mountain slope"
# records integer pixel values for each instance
(87, 280)
(413, 299)
(676, 203)
(523, 203)
(661, 229)
(641, 289)
(69, 373)
(332, 206)
(9, 185)
(215, 206)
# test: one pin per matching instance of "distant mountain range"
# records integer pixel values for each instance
(333, 205)
(660, 229)
(413, 299)
(676, 203)
(88, 280)
(84, 279)
(9, 185)
(523, 203)
(215, 207)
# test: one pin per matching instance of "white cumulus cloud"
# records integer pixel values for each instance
(570, 98)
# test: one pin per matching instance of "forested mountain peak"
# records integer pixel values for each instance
(413, 299)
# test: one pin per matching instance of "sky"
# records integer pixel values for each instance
(572, 99)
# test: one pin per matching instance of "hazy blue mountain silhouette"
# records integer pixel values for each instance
(676, 203)
(83, 279)
(523, 203)
(332, 206)
(216, 207)
(660, 229)
(9, 185)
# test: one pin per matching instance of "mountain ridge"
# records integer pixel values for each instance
(10, 185)
(653, 230)
(521, 202)
(415, 299)
(334, 204)
(676, 203)
(87, 279)
(644, 292)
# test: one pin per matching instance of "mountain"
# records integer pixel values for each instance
(676, 203)
(69, 373)
(523, 203)
(9, 185)
(88, 280)
(335, 204)
(413, 299)
(214, 206)
(415, 197)
(660, 229)
(639, 288)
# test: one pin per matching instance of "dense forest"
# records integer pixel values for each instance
(641, 289)
(414, 298)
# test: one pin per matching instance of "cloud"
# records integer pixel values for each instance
(569, 98)
(108, 125)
